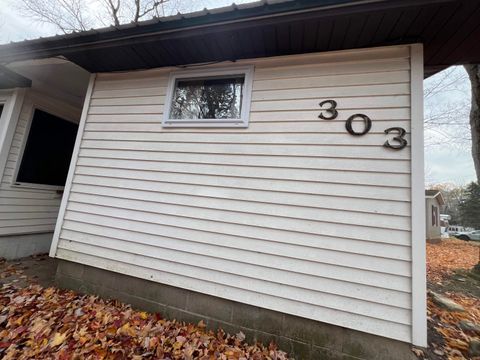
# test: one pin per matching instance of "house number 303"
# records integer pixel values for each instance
(330, 112)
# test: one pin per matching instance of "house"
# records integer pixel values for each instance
(259, 166)
(434, 203)
(38, 124)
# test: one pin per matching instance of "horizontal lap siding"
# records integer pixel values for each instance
(291, 214)
(28, 210)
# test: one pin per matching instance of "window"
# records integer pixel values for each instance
(219, 98)
(48, 150)
(434, 215)
(1, 109)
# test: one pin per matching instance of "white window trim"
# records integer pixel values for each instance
(206, 73)
(18, 184)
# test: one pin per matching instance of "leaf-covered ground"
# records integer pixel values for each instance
(447, 338)
(450, 255)
(48, 323)
(448, 272)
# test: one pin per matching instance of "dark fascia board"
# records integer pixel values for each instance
(186, 26)
(10, 79)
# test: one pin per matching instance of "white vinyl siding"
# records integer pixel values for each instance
(292, 214)
(29, 210)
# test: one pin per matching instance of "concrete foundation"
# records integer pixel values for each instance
(19, 246)
(301, 338)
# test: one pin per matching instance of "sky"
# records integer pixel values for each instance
(447, 161)
(448, 148)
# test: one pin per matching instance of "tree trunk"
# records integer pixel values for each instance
(474, 74)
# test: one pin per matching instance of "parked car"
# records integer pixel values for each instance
(469, 235)
(454, 230)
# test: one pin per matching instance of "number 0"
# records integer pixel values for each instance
(366, 121)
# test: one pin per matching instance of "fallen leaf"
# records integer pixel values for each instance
(58, 339)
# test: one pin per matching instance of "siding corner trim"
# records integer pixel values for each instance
(419, 302)
(73, 164)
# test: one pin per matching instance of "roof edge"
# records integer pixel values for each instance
(199, 21)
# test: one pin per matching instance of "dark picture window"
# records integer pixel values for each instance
(48, 150)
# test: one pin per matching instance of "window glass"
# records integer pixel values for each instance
(1, 109)
(48, 150)
(208, 98)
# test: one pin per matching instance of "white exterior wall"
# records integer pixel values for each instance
(292, 214)
(28, 210)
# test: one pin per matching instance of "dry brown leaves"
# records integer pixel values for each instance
(39, 323)
(449, 255)
(442, 260)
(446, 323)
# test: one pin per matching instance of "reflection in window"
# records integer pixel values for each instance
(211, 98)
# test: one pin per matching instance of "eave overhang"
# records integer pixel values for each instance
(449, 30)
(11, 80)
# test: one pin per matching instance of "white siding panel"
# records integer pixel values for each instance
(240, 137)
(204, 231)
(29, 215)
(378, 127)
(333, 80)
(314, 187)
(247, 221)
(292, 213)
(140, 266)
(360, 103)
(119, 109)
(236, 272)
(316, 151)
(390, 114)
(29, 210)
(252, 207)
(329, 201)
(285, 94)
(239, 262)
(139, 100)
(332, 163)
(296, 71)
(274, 173)
(112, 94)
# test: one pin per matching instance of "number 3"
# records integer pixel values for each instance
(400, 138)
(332, 110)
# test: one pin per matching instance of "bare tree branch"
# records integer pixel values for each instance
(66, 15)
(113, 7)
(77, 15)
(447, 109)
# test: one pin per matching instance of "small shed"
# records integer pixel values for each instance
(434, 203)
